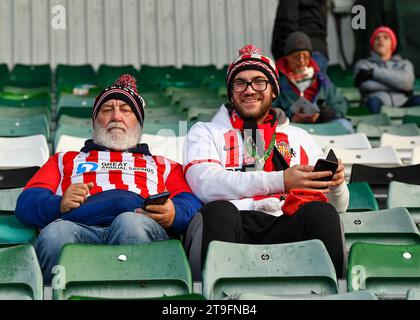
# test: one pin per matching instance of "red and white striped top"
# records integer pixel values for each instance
(142, 174)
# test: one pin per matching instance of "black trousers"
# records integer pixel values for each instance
(221, 220)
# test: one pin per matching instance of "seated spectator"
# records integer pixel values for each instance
(306, 94)
(94, 196)
(385, 78)
(243, 164)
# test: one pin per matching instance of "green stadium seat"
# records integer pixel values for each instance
(149, 270)
(390, 226)
(179, 128)
(176, 94)
(197, 73)
(355, 295)
(399, 113)
(165, 119)
(20, 274)
(159, 112)
(374, 132)
(156, 100)
(195, 112)
(76, 106)
(25, 112)
(362, 197)
(352, 94)
(74, 121)
(323, 129)
(389, 271)
(380, 178)
(25, 102)
(25, 126)
(405, 195)
(12, 231)
(4, 75)
(29, 76)
(411, 119)
(380, 119)
(300, 268)
(187, 103)
(107, 74)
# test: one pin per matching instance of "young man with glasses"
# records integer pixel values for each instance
(302, 83)
(244, 162)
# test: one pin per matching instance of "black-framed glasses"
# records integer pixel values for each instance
(257, 85)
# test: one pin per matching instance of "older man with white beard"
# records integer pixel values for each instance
(95, 195)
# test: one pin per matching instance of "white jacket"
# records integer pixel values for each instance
(211, 174)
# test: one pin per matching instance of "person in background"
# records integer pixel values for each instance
(384, 78)
(308, 16)
(307, 95)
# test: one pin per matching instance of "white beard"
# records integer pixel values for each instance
(116, 139)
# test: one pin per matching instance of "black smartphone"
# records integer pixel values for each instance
(156, 199)
(326, 165)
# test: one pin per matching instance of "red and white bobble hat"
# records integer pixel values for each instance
(124, 89)
(252, 58)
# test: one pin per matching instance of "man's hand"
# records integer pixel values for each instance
(302, 177)
(305, 118)
(339, 176)
(75, 196)
(164, 214)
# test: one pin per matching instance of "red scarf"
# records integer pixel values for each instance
(311, 92)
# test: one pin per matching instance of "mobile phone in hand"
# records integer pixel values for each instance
(329, 164)
(156, 199)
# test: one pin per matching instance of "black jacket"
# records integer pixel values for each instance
(308, 16)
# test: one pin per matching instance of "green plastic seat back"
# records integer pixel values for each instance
(156, 100)
(78, 106)
(195, 112)
(405, 195)
(302, 268)
(74, 121)
(374, 131)
(362, 197)
(355, 295)
(411, 119)
(387, 270)
(159, 112)
(326, 129)
(380, 119)
(70, 75)
(34, 75)
(107, 74)
(174, 118)
(392, 226)
(25, 126)
(12, 231)
(179, 128)
(20, 274)
(12, 112)
(155, 269)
